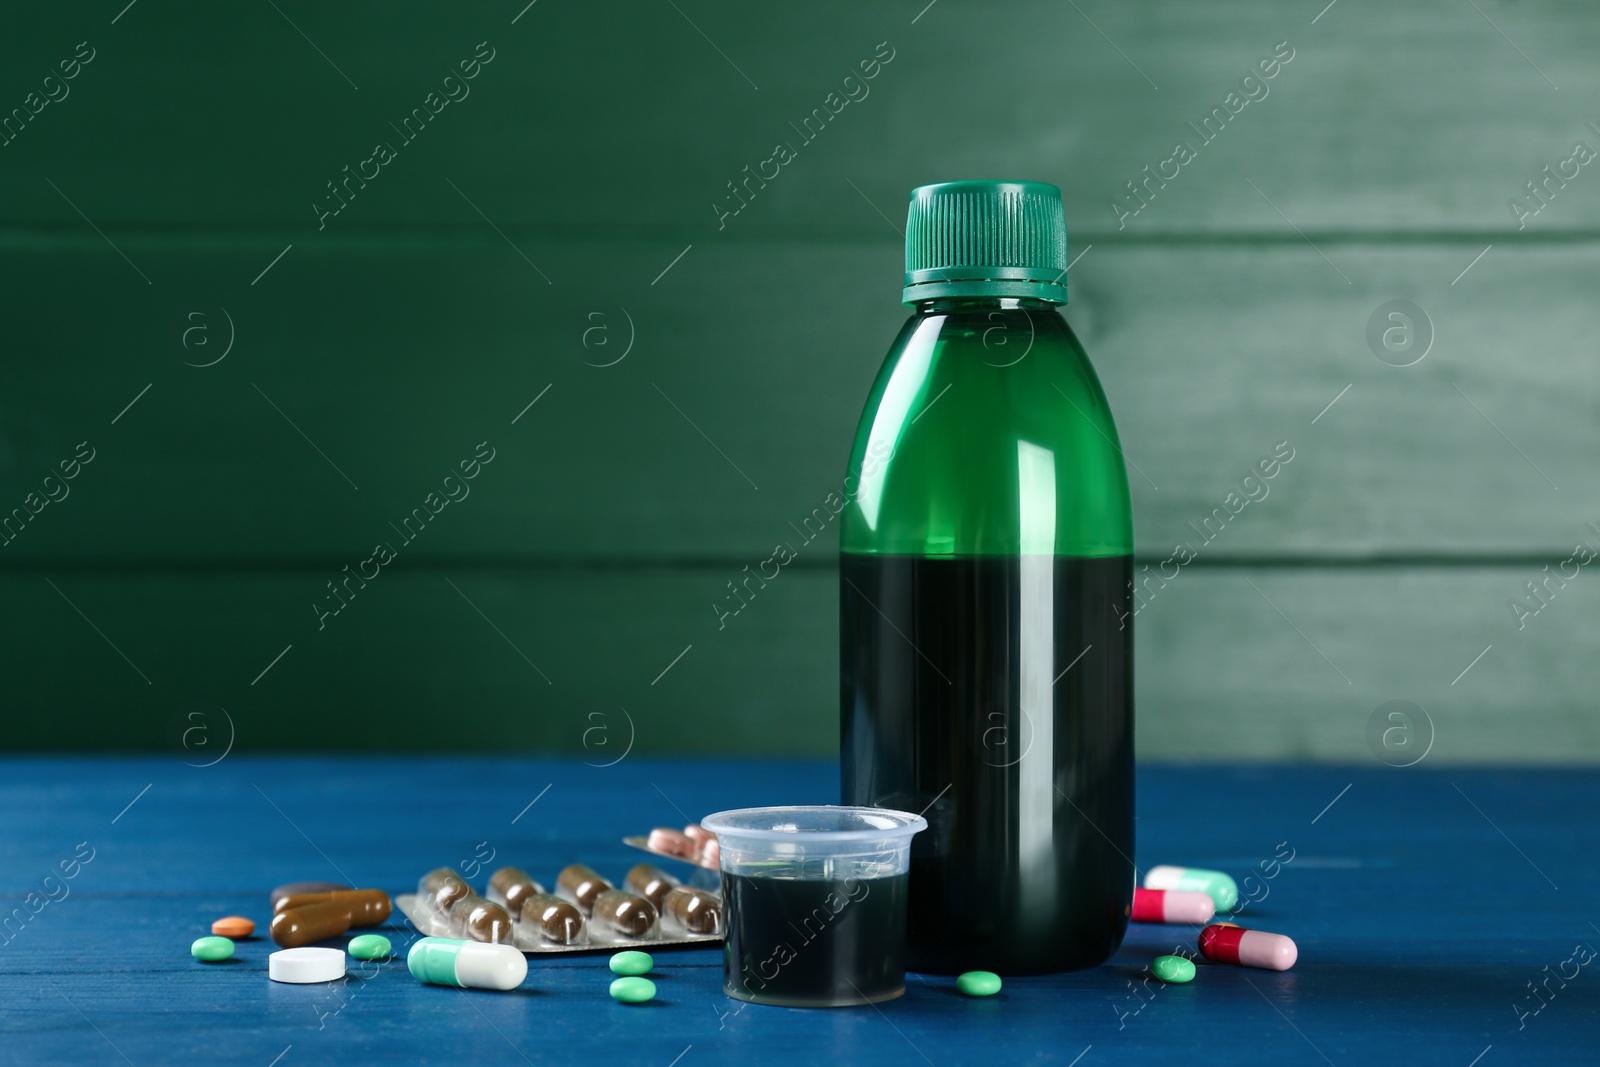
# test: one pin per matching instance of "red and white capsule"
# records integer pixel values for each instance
(1172, 906)
(1226, 943)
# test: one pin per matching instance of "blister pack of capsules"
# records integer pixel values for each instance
(585, 913)
(693, 844)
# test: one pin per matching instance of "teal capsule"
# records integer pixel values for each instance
(369, 947)
(212, 949)
(979, 983)
(1221, 888)
(466, 964)
(633, 990)
(632, 963)
(1173, 968)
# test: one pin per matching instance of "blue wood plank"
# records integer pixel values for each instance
(1424, 904)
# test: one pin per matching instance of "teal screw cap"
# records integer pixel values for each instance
(986, 239)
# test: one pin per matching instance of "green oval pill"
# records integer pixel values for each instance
(1173, 968)
(369, 947)
(632, 962)
(979, 983)
(633, 990)
(211, 949)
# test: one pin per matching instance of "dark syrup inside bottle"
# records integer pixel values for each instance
(995, 692)
(809, 941)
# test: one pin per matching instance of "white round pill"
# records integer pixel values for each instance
(302, 966)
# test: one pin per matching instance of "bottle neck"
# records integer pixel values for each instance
(946, 305)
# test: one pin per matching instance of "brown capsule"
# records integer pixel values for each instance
(582, 885)
(557, 920)
(314, 922)
(624, 913)
(514, 886)
(304, 887)
(367, 907)
(443, 887)
(650, 882)
(477, 919)
(694, 911)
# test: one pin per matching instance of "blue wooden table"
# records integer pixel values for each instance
(1443, 917)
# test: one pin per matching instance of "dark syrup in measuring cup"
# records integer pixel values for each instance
(815, 942)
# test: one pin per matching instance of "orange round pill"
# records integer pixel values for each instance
(234, 926)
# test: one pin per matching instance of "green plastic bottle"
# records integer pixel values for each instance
(986, 638)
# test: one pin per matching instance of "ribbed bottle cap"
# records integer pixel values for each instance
(986, 239)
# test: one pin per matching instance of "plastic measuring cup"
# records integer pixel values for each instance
(815, 903)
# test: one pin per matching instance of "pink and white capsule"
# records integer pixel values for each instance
(1226, 943)
(1172, 906)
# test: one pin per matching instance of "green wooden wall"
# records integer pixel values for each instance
(271, 372)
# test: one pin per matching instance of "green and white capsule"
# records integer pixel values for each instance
(466, 964)
(1221, 888)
